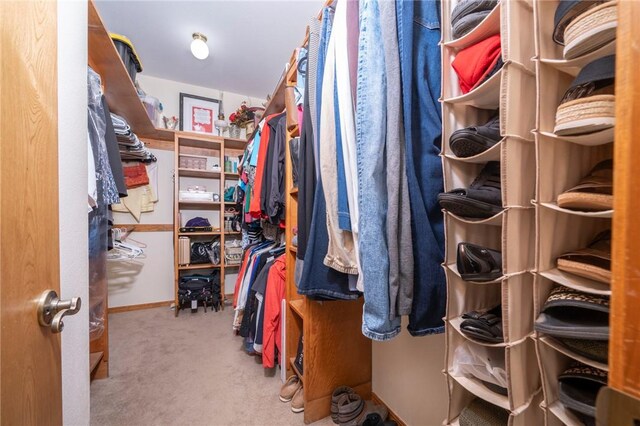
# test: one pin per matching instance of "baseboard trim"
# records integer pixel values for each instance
(120, 309)
(392, 415)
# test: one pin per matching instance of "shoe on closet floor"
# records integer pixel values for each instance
(589, 104)
(368, 408)
(350, 406)
(289, 388)
(335, 398)
(481, 200)
(374, 419)
(297, 401)
(475, 140)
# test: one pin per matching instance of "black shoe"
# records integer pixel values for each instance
(481, 200)
(476, 139)
(476, 263)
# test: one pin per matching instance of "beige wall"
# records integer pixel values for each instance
(150, 279)
(168, 92)
(407, 376)
(73, 188)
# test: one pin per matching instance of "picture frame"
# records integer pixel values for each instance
(198, 114)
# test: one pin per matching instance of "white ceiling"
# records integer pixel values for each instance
(249, 41)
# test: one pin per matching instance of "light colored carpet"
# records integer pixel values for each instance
(188, 370)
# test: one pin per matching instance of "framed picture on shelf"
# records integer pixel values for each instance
(197, 113)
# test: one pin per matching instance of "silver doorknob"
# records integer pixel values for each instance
(51, 310)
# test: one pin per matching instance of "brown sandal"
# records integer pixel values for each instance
(593, 262)
(593, 193)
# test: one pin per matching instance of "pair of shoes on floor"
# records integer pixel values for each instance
(293, 392)
(348, 409)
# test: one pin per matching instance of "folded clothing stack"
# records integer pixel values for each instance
(468, 14)
(131, 148)
(477, 63)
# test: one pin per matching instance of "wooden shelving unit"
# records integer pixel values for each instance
(335, 351)
(123, 100)
(118, 88)
(190, 143)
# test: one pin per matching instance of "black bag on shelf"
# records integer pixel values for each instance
(196, 289)
(200, 251)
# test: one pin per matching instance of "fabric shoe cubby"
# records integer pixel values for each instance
(564, 335)
(554, 363)
(510, 92)
(513, 293)
(460, 398)
(556, 176)
(559, 233)
(543, 287)
(549, 52)
(518, 388)
(552, 85)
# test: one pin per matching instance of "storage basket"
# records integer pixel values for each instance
(232, 252)
(128, 55)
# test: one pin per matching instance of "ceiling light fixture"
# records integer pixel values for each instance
(199, 46)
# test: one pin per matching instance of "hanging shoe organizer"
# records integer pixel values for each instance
(512, 91)
(561, 162)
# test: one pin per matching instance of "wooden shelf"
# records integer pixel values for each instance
(231, 174)
(293, 365)
(199, 204)
(293, 249)
(298, 307)
(237, 265)
(198, 173)
(119, 90)
(199, 140)
(187, 234)
(231, 143)
(198, 266)
(294, 191)
(94, 361)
